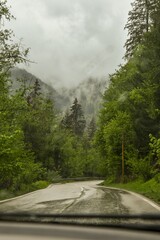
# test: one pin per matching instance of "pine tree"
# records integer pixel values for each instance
(66, 121)
(91, 128)
(139, 22)
(77, 118)
(31, 98)
(74, 120)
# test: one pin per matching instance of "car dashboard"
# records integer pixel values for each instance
(43, 231)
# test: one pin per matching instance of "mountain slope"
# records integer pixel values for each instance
(89, 93)
(21, 76)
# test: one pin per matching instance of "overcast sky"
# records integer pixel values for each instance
(71, 40)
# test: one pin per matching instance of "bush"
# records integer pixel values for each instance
(39, 185)
(141, 168)
(157, 178)
(4, 194)
(53, 176)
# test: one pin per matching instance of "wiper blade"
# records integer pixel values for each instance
(81, 216)
(150, 222)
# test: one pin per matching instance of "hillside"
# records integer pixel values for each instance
(21, 76)
(88, 92)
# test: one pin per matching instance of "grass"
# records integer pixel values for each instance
(150, 189)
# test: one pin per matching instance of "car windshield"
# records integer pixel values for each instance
(80, 110)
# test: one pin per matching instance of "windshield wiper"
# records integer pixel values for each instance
(149, 222)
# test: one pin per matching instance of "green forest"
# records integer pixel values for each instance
(121, 144)
(129, 121)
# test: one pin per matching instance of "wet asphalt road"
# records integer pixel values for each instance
(80, 197)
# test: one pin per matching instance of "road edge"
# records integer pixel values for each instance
(149, 201)
(20, 196)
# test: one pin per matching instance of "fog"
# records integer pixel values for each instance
(71, 40)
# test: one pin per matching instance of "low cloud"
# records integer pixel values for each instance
(71, 40)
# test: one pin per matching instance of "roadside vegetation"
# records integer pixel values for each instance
(39, 145)
(128, 132)
(150, 189)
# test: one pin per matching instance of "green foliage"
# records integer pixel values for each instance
(139, 22)
(150, 189)
(17, 161)
(36, 149)
(75, 120)
(5, 194)
(91, 129)
(39, 185)
(130, 111)
(155, 147)
(53, 176)
(157, 178)
(10, 53)
(141, 168)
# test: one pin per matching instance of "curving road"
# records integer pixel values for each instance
(80, 197)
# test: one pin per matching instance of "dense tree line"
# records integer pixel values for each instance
(130, 116)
